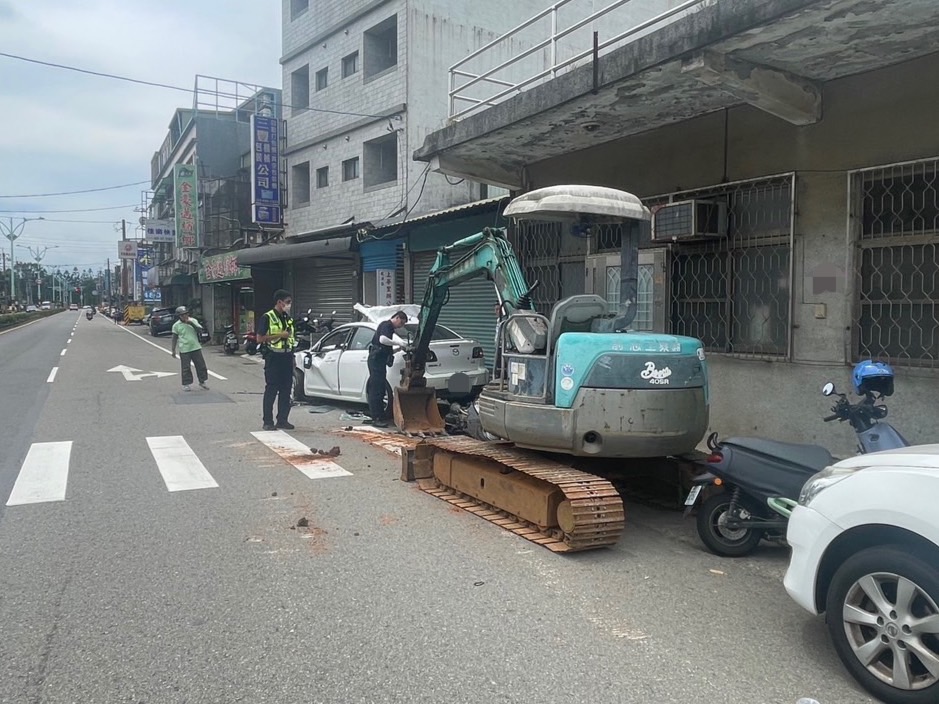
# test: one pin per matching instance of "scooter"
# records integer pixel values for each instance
(89, 314)
(251, 342)
(762, 479)
(310, 331)
(231, 339)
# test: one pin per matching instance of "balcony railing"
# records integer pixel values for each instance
(524, 56)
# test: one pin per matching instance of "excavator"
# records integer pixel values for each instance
(578, 383)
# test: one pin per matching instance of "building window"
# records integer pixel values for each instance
(298, 7)
(322, 79)
(350, 169)
(350, 64)
(733, 292)
(300, 180)
(381, 47)
(381, 161)
(300, 90)
(896, 216)
(322, 177)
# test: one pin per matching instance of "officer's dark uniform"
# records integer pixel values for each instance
(379, 359)
(278, 367)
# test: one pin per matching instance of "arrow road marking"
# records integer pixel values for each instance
(131, 374)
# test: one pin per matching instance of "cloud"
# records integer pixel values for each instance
(63, 131)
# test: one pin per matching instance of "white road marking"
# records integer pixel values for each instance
(68, 341)
(163, 349)
(62, 354)
(133, 374)
(44, 474)
(299, 455)
(182, 470)
(55, 370)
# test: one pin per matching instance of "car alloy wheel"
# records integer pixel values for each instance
(884, 621)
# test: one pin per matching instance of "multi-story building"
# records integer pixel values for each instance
(364, 82)
(215, 138)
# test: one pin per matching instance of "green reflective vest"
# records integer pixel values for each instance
(276, 325)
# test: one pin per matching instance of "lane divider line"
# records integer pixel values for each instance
(55, 370)
(62, 354)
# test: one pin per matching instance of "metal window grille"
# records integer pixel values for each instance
(552, 258)
(734, 292)
(895, 230)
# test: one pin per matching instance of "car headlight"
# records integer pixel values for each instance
(823, 480)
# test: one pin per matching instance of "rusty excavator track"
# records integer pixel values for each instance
(546, 502)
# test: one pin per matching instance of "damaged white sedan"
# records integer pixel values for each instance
(336, 366)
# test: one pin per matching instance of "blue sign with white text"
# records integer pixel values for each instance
(265, 170)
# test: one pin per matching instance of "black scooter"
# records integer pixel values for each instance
(762, 479)
(231, 339)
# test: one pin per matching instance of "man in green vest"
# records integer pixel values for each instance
(275, 329)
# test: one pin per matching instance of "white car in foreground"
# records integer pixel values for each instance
(336, 366)
(865, 549)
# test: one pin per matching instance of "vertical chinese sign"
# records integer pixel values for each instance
(187, 205)
(386, 287)
(265, 173)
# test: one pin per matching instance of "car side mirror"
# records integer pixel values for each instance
(828, 389)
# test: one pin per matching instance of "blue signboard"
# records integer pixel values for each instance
(265, 170)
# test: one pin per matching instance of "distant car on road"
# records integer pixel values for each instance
(31, 308)
(46, 305)
(865, 550)
(161, 320)
(73, 306)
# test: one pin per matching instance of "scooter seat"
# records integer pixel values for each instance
(812, 457)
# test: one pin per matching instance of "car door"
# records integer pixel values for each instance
(354, 365)
(322, 378)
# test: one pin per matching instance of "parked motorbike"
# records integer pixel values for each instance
(251, 342)
(309, 331)
(231, 339)
(761, 479)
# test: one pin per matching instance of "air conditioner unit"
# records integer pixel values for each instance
(689, 220)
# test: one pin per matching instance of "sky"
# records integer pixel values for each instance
(65, 131)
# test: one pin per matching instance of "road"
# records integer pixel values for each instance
(113, 588)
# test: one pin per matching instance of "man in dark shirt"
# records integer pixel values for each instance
(276, 330)
(380, 357)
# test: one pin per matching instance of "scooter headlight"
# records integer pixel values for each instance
(824, 479)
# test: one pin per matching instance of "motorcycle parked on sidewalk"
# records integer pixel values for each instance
(251, 342)
(761, 479)
(230, 343)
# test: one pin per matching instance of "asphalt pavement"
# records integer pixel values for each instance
(152, 553)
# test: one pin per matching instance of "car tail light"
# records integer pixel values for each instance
(478, 353)
(431, 357)
(715, 458)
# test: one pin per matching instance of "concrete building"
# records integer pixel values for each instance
(794, 141)
(364, 82)
(214, 137)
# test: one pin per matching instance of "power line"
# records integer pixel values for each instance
(83, 222)
(168, 86)
(80, 210)
(72, 193)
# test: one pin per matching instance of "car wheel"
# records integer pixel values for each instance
(883, 616)
(388, 408)
(714, 533)
(298, 395)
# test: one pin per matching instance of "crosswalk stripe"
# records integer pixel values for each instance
(181, 469)
(299, 455)
(44, 474)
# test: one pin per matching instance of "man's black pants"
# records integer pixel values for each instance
(376, 387)
(278, 383)
(186, 360)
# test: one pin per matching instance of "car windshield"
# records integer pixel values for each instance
(440, 333)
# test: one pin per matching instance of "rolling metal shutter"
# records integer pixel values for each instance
(470, 311)
(325, 289)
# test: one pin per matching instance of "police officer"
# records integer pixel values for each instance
(276, 330)
(380, 357)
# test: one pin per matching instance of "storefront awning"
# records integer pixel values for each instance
(301, 250)
(181, 280)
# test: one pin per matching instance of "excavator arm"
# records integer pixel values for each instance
(486, 253)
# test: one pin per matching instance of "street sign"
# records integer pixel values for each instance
(131, 374)
(127, 249)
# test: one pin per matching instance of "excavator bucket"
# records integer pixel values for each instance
(416, 410)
